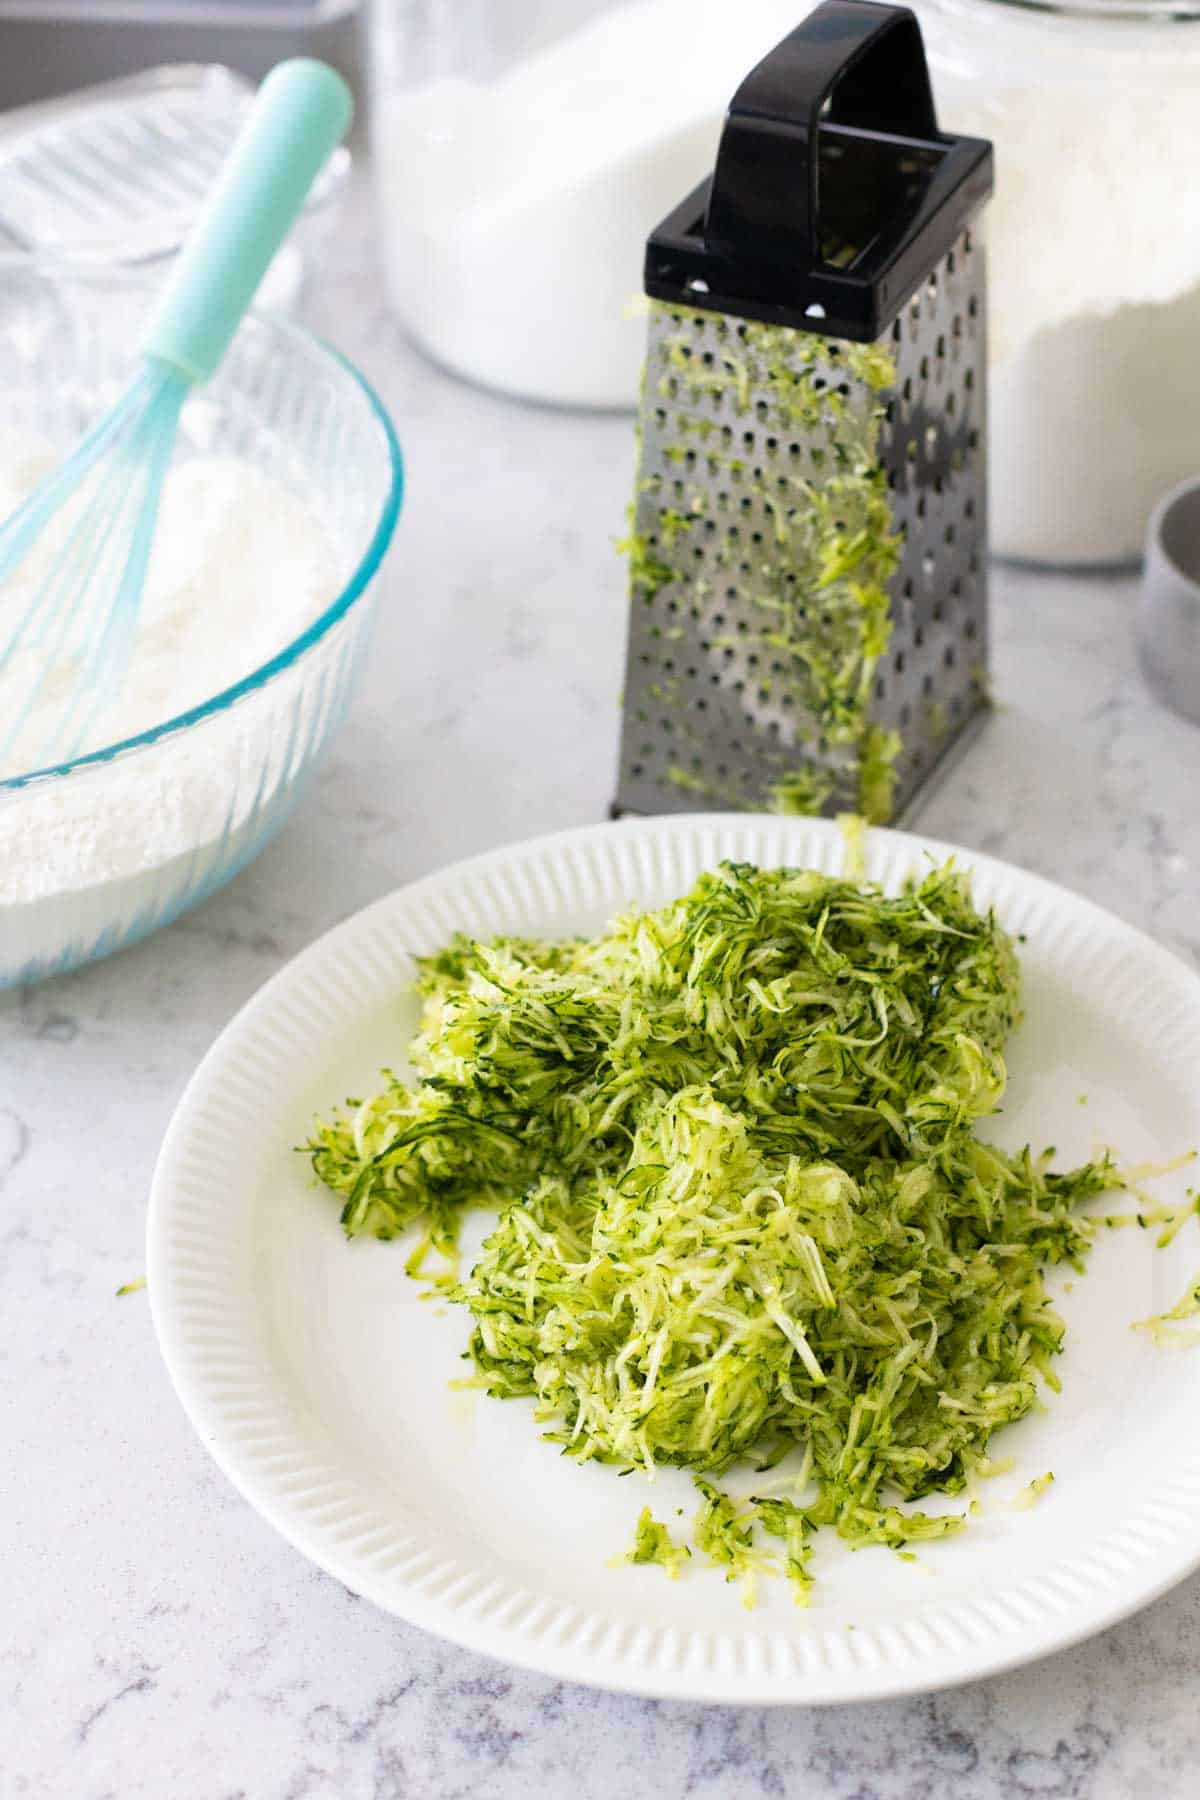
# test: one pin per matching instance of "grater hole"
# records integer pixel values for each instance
(927, 686)
(940, 349)
(931, 441)
(880, 687)
(905, 719)
(972, 308)
(923, 370)
(928, 567)
(950, 656)
(897, 332)
(898, 662)
(969, 630)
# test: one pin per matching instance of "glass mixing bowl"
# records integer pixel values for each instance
(99, 851)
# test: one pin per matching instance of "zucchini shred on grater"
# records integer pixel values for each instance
(808, 604)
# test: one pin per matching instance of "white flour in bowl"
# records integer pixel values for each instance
(239, 568)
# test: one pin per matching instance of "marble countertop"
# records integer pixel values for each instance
(157, 1638)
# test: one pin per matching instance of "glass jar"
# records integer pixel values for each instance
(1094, 258)
(523, 150)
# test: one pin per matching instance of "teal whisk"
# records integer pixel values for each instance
(73, 636)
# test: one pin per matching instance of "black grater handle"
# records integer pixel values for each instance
(851, 62)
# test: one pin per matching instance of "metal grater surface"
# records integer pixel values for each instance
(710, 709)
(119, 171)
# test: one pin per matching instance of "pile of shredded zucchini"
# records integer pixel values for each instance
(743, 1205)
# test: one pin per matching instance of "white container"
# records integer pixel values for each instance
(523, 150)
(1094, 259)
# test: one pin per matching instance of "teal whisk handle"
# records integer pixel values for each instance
(301, 111)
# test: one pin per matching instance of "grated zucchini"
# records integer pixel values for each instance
(742, 1203)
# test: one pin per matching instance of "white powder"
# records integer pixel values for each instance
(514, 213)
(1093, 265)
(239, 568)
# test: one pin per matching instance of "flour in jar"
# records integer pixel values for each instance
(240, 567)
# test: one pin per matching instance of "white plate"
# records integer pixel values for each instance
(317, 1376)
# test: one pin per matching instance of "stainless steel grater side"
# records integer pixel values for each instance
(808, 626)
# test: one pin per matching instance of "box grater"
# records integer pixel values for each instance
(808, 624)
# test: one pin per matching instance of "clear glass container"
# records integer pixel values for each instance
(1094, 259)
(523, 150)
(103, 849)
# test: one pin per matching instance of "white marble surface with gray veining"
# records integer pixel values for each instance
(156, 1638)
